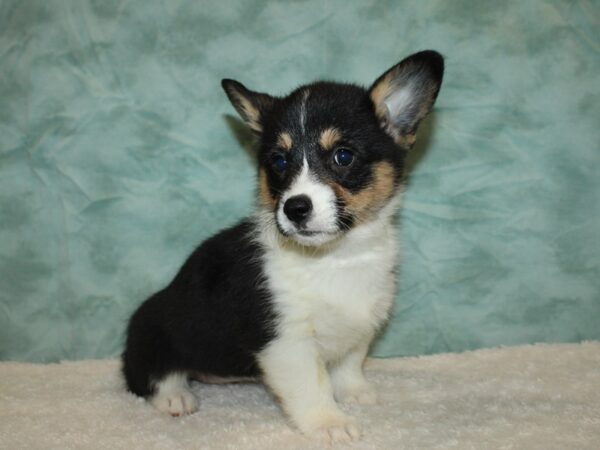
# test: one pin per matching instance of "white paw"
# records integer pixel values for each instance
(334, 429)
(175, 403)
(342, 434)
(363, 394)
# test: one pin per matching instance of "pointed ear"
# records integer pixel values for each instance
(251, 106)
(405, 94)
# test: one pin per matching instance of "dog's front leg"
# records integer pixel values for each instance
(296, 373)
(349, 383)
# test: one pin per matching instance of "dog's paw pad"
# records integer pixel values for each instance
(176, 403)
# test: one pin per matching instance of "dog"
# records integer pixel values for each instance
(294, 294)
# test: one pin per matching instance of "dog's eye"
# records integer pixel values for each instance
(343, 157)
(279, 163)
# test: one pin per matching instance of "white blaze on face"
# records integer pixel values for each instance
(303, 111)
(321, 225)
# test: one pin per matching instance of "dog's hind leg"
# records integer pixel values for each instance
(173, 396)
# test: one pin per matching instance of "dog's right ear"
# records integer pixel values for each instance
(251, 106)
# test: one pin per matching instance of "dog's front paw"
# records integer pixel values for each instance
(363, 394)
(175, 403)
(333, 428)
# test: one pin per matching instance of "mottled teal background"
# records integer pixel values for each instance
(118, 154)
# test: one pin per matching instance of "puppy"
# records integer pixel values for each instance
(294, 294)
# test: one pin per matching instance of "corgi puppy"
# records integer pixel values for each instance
(294, 294)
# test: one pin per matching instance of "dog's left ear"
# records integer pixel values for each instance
(251, 106)
(405, 94)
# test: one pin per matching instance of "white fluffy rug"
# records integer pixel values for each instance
(531, 397)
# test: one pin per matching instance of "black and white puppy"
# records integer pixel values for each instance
(294, 294)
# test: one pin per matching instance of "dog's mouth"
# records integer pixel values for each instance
(308, 233)
(311, 238)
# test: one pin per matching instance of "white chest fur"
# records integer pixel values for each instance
(338, 296)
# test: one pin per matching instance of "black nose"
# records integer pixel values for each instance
(297, 208)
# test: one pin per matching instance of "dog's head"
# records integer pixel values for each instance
(331, 155)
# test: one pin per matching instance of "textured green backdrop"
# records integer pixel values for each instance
(118, 154)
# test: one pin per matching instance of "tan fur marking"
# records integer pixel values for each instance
(378, 95)
(329, 137)
(368, 201)
(284, 140)
(383, 90)
(406, 141)
(252, 114)
(264, 195)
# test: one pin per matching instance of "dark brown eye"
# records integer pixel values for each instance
(343, 157)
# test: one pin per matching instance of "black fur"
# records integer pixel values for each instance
(328, 105)
(213, 317)
(217, 313)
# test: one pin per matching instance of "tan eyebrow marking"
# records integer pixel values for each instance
(284, 140)
(329, 137)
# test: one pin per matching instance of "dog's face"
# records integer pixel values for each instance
(331, 155)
